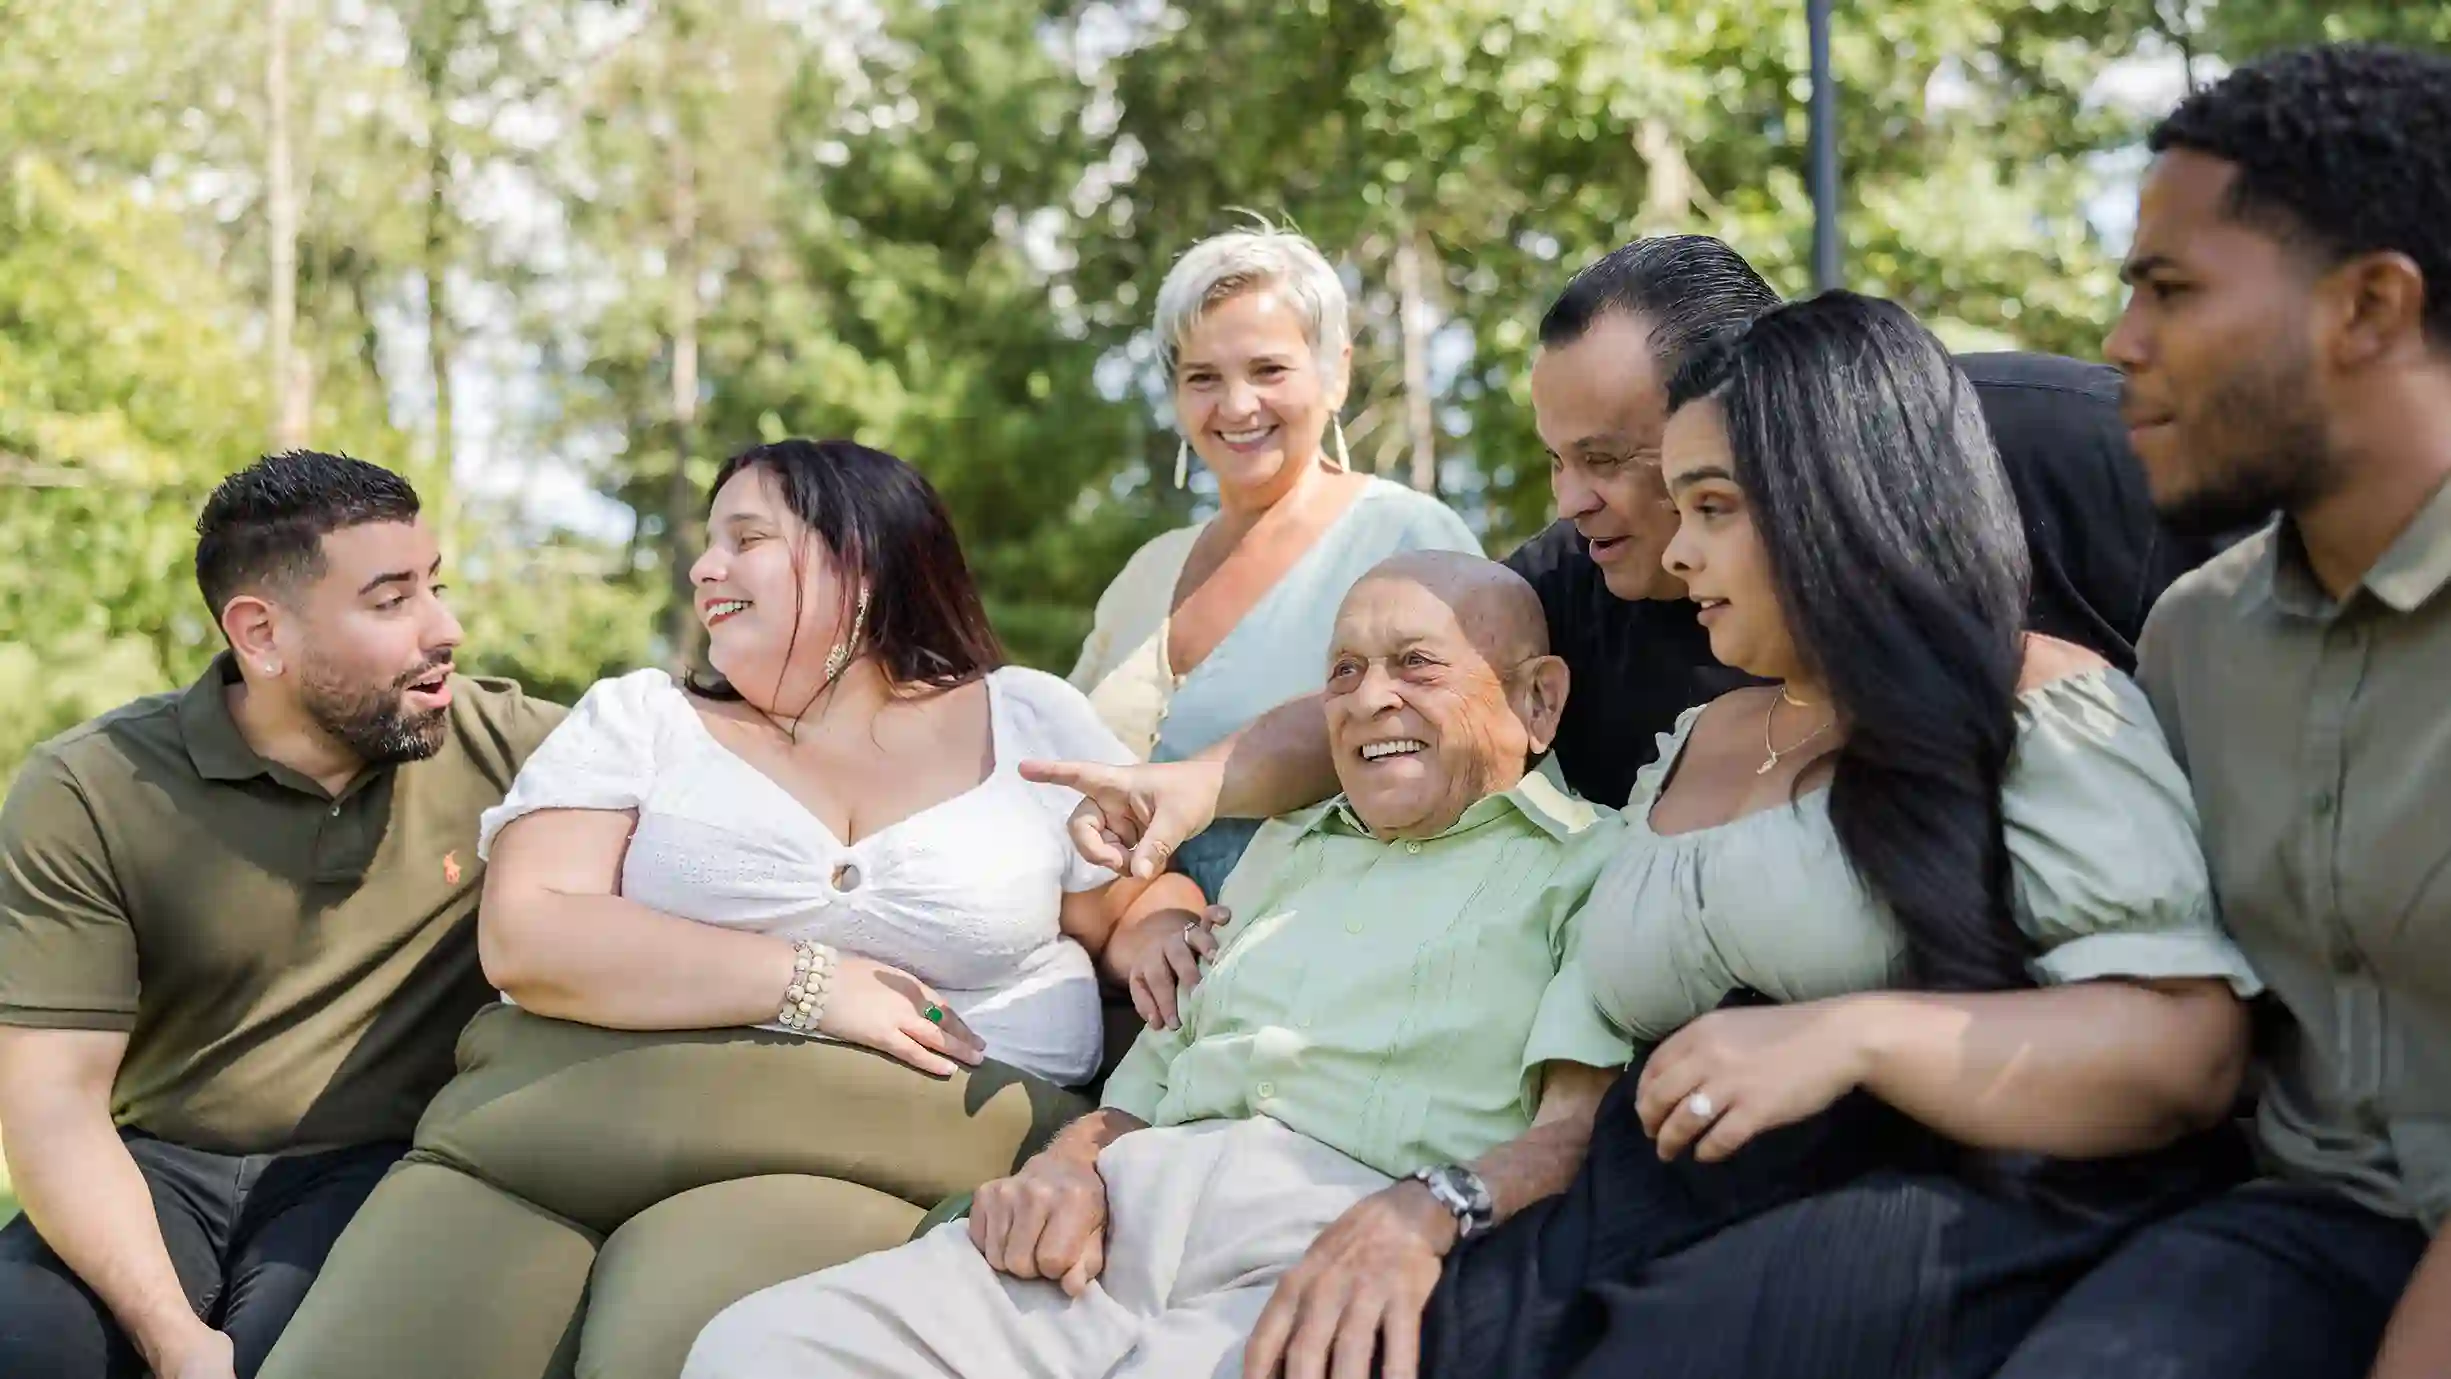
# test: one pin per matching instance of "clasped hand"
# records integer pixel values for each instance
(1047, 1221)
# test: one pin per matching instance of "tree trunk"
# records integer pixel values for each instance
(1668, 180)
(289, 408)
(441, 340)
(682, 499)
(1413, 319)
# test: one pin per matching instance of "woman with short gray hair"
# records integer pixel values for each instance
(1211, 624)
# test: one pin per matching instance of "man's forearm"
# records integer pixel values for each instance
(1083, 1140)
(1542, 1161)
(78, 1184)
(1278, 763)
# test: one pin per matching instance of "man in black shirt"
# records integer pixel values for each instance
(1621, 621)
(1635, 655)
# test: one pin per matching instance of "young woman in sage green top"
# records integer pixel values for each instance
(1916, 942)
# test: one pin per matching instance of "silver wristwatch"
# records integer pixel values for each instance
(1461, 1191)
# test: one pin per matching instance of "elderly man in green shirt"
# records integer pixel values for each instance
(1381, 1059)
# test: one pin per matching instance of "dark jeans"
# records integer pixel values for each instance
(246, 1234)
(2285, 1281)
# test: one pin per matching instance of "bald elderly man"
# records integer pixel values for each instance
(1381, 1059)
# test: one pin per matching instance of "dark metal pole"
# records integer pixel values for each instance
(1824, 150)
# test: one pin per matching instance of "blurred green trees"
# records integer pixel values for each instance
(556, 258)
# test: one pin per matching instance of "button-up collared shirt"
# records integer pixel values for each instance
(2317, 733)
(1394, 999)
(291, 966)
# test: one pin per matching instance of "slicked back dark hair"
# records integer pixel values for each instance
(2342, 150)
(1690, 289)
(888, 532)
(263, 527)
(1894, 540)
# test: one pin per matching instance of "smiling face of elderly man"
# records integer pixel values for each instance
(1440, 690)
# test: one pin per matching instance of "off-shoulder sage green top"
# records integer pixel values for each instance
(2110, 880)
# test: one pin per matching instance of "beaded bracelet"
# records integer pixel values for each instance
(812, 979)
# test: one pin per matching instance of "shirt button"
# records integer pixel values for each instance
(1412, 847)
(2323, 803)
(1266, 1090)
(336, 811)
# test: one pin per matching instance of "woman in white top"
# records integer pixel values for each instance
(848, 782)
(711, 906)
(1210, 625)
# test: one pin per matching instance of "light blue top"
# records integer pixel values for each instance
(1279, 651)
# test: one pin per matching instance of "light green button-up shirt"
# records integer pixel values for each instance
(1392, 999)
(2317, 733)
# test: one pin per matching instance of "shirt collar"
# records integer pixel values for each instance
(2418, 564)
(2410, 573)
(214, 743)
(1542, 797)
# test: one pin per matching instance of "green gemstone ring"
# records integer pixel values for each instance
(936, 1014)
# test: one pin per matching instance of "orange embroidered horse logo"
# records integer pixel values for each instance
(451, 868)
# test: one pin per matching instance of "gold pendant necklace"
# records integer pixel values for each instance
(1771, 762)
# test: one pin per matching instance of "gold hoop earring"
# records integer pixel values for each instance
(1344, 457)
(1182, 463)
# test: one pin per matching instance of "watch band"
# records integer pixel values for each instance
(1461, 1192)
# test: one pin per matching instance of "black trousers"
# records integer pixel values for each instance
(2268, 1281)
(247, 1235)
(1854, 1245)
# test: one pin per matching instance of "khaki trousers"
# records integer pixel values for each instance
(1201, 1222)
(581, 1200)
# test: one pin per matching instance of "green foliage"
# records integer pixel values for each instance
(667, 229)
(2241, 29)
(121, 378)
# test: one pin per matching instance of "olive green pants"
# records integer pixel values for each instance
(580, 1201)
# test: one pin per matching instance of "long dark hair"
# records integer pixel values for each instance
(888, 533)
(1894, 538)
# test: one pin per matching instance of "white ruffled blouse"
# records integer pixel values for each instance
(965, 895)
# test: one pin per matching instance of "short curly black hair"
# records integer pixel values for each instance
(265, 524)
(2344, 149)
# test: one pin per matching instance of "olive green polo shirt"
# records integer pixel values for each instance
(1392, 999)
(2317, 734)
(292, 968)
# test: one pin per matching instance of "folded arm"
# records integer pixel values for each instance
(77, 1183)
(2085, 1070)
(556, 936)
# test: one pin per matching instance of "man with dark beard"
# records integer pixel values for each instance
(2288, 346)
(236, 937)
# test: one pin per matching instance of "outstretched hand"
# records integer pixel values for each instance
(1131, 819)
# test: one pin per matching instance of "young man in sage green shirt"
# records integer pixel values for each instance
(236, 937)
(1381, 1058)
(2288, 346)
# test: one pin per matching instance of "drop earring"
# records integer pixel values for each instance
(840, 659)
(1344, 457)
(1182, 463)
